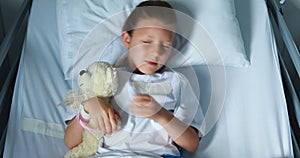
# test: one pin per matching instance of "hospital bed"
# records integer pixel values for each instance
(244, 102)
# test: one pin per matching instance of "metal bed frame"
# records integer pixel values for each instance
(15, 32)
(290, 73)
(11, 47)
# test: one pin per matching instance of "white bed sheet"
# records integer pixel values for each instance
(253, 123)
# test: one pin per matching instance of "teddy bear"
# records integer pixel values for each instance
(98, 80)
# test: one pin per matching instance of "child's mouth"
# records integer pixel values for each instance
(152, 63)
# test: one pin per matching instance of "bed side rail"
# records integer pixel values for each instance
(285, 34)
(7, 47)
(290, 70)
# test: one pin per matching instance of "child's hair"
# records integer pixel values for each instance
(152, 9)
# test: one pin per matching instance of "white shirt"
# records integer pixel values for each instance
(142, 136)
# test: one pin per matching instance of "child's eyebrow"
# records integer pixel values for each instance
(152, 37)
(168, 43)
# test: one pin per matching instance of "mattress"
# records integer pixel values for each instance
(252, 121)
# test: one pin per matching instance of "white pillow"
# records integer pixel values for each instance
(90, 30)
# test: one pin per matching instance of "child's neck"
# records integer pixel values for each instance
(137, 71)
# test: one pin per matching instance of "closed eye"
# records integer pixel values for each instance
(166, 46)
(147, 42)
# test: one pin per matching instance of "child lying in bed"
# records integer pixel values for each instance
(156, 121)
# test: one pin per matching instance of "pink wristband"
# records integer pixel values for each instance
(80, 119)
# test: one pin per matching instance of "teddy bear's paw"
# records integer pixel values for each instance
(83, 150)
(97, 134)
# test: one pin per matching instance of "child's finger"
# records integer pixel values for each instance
(108, 126)
(141, 99)
(118, 114)
(101, 124)
(113, 121)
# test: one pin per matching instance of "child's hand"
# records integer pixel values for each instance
(145, 106)
(103, 114)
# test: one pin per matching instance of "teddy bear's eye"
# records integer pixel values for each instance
(82, 72)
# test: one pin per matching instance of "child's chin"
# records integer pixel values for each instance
(147, 71)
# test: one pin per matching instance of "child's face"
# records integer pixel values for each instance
(149, 48)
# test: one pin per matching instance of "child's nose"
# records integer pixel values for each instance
(157, 49)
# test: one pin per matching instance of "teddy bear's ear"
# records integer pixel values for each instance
(83, 78)
(82, 72)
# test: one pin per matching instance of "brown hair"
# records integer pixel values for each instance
(153, 9)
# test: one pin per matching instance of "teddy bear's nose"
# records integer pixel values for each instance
(82, 72)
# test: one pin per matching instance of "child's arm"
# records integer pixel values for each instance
(101, 112)
(181, 133)
(73, 134)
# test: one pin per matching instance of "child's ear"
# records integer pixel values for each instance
(126, 39)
